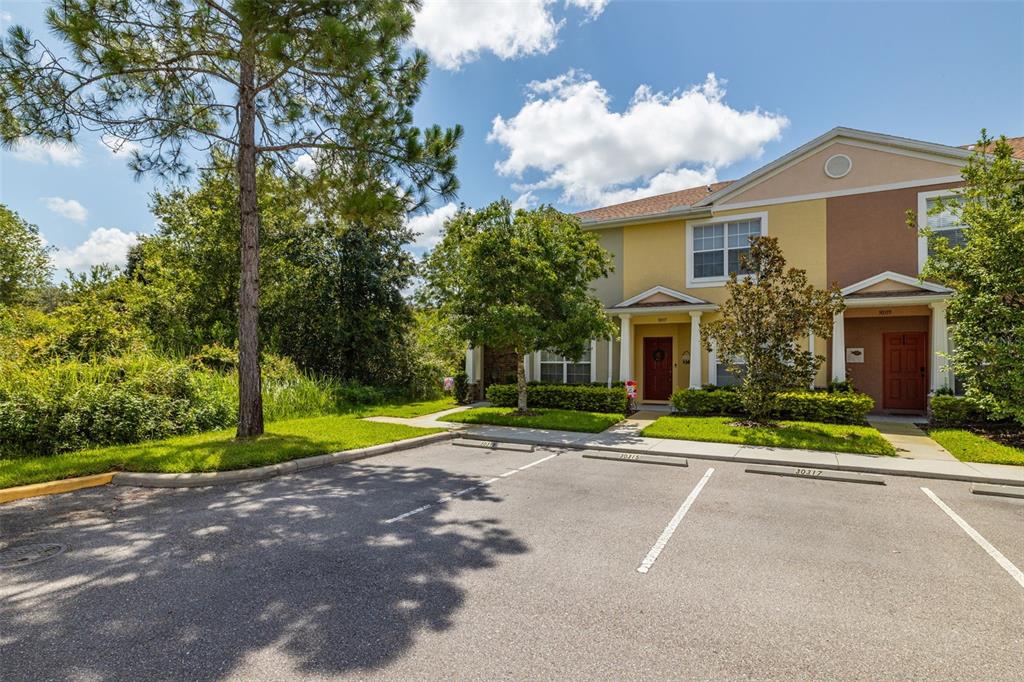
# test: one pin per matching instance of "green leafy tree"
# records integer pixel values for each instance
(519, 280)
(328, 79)
(331, 287)
(25, 267)
(986, 273)
(767, 313)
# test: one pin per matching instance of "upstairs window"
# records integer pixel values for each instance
(554, 369)
(946, 223)
(717, 248)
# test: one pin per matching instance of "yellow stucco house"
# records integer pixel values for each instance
(838, 208)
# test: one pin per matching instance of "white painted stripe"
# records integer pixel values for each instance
(1007, 565)
(452, 496)
(666, 534)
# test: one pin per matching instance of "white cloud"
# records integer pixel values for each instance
(456, 32)
(429, 226)
(6, 18)
(526, 200)
(119, 147)
(567, 131)
(69, 208)
(62, 153)
(104, 245)
(304, 164)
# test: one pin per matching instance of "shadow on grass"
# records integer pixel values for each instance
(201, 583)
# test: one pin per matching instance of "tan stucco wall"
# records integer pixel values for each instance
(870, 167)
(653, 254)
(609, 289)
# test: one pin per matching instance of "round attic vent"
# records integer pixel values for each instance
(838, 165)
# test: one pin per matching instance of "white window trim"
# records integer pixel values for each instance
(922, 221)
(698, 282)
(565, 364)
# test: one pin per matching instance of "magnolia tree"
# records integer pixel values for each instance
(519, 280)
(311, 84)
(767, 314)
(986, 272)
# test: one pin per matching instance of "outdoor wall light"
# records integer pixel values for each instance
(685, 359)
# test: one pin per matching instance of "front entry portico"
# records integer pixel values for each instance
(657, 383)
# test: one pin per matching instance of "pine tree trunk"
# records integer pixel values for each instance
(521, 380)
(250, 398)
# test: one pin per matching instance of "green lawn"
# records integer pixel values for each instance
(973, 447)
(408, 410)
(213, 451)
(803, 435)
(561, 420)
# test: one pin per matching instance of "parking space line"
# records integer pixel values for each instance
(1007, 565)
(452, 496)
(666, 534)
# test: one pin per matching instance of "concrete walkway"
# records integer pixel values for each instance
(627, 440)
(909, 440)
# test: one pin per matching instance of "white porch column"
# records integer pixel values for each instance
(838, 348)
(527, 366)
(940, 347)
(626, 349)
(713, 363)
(470, 364)
(610, 347)
(593, 360)
(695, 363)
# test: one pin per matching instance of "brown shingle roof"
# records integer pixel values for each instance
(651, 205)
(687, 197)
(1016, 144)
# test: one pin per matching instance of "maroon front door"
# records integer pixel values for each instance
(657, 367)
(904, 370)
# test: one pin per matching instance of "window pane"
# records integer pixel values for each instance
(734, 261)
(551, 372)
(741, 232)
(708, 237)
(708, 264)
(548, 356)
(946, 218)
(578, 373)
(955, 237)
(727, 378)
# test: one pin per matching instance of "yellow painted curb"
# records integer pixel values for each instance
(53, 487)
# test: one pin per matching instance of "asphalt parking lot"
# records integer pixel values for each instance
(468, 563)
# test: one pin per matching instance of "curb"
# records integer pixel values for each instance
(752, 460)
(148, 480)
(64, 485)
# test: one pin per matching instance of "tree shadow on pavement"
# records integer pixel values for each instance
(202, 583)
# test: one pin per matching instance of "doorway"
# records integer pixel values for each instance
(904, 370)
(657, 367)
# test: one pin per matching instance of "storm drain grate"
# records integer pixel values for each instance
(13, 557)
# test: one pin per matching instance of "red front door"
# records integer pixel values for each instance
(657, 367)
(904, 370)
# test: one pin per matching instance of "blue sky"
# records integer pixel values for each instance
(585, 102)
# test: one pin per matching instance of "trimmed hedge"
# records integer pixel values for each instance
(582, 398)
(952, 410)
(815, 406)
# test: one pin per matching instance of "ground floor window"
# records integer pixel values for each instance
(726, 378)
(554, 369)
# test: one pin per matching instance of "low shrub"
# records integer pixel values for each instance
(840, 408)
(64, 406)
(581, 397)
(952, 410)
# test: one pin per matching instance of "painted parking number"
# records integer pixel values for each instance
(808, 472)
(629, 456)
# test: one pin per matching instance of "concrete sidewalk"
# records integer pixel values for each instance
(624, 437)
(998, 474)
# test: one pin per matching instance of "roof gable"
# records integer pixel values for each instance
(892, 283)
(876, 161)
(659, 296)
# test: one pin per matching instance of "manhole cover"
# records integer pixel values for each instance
(29, 554)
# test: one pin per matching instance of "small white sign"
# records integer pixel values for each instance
(854, 355)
